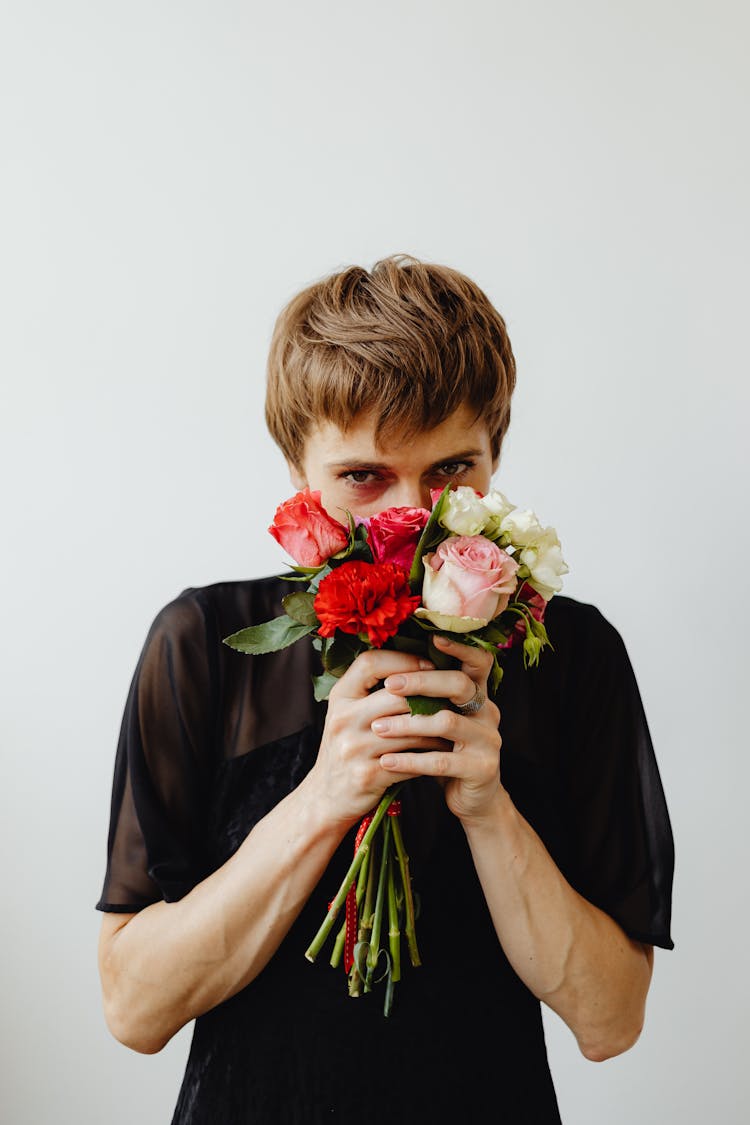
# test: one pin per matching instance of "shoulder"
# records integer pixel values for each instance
(578, 625)
(586, 649)
(227, 605)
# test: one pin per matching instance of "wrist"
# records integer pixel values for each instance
(323, 817)
(498, 816)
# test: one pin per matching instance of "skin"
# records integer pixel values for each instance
(570, 954)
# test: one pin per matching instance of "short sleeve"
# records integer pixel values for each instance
(622, 847)
(157, 817)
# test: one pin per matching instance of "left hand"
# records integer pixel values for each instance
(470, 772)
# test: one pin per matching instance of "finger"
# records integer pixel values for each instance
(430, 763)
(455, 728)
(476, 662)
(457, 685)
(372, 666)
(365, 709)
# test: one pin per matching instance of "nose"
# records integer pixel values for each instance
(412, 494)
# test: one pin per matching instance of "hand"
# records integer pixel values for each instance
(347, 776)
(470, 773)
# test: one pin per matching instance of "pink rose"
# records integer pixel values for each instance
(305, 530)
(394, 533)
(470, 577)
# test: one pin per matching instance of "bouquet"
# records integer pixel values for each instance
(475, 568)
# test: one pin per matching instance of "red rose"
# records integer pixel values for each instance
(393, 534)
(361, 597)
(305, 530)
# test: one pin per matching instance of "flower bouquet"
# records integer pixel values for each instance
(475, 568)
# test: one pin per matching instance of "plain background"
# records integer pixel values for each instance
(172, 174)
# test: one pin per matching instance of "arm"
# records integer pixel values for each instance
(170, 962)
(569, 953)
(166, 964)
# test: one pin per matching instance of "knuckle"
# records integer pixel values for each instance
(493, 712)
(446, 721)
(336, 724)
(361, 775)
(441, 765)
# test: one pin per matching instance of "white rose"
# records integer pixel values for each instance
(498, 507)
(546, 563)
(463, 512)
(522, 528)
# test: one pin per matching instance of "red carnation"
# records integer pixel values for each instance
(361, 597)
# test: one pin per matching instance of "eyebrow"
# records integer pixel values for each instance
(357, 463)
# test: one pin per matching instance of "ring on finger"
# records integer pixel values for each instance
(474, 704)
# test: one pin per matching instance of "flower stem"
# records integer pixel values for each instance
(394, 933)
(318, 941)
(374, 951)
(338, 948)
(403, 863)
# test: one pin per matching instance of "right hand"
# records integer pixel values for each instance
(347, 778)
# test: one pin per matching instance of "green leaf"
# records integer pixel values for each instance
(402, 643)
(270, 636)
(356, 548)
(339, 653)
(427, 704)
(432, 534)
(299, 606)
(495, 634)
(322, 686)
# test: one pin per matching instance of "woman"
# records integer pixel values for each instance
(539, 835)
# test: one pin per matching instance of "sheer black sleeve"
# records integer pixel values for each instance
(621, 839)
(161, 765)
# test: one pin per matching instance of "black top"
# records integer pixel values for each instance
(212, 739)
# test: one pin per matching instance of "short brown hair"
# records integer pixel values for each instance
(410, 340)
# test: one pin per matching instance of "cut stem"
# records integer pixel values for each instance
(394, 932)
(338, 948)
(374, 950)
(318, 941)
(403, 863)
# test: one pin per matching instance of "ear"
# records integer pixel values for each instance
(297, 476)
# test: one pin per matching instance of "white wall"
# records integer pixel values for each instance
(173, 172)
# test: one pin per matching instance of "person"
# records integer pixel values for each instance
(540, 840)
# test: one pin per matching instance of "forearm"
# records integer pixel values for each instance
(569, 953)
(174, 961)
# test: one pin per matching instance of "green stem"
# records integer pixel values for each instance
(365, 921)
(318, 941)
(374, 950)
(403, 862)
(394, 933)
(338, 948)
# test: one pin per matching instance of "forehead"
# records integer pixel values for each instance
(458, 433)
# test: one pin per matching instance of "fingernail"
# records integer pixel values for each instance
(425, 665)
(380, 724)
(442, 640)
(395, 683)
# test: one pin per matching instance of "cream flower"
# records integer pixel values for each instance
(464, 512)
(546, 563)
(498, 506)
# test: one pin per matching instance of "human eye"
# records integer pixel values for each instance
(453, 468)
(359, 478)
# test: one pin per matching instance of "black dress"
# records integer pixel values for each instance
(212, 739)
